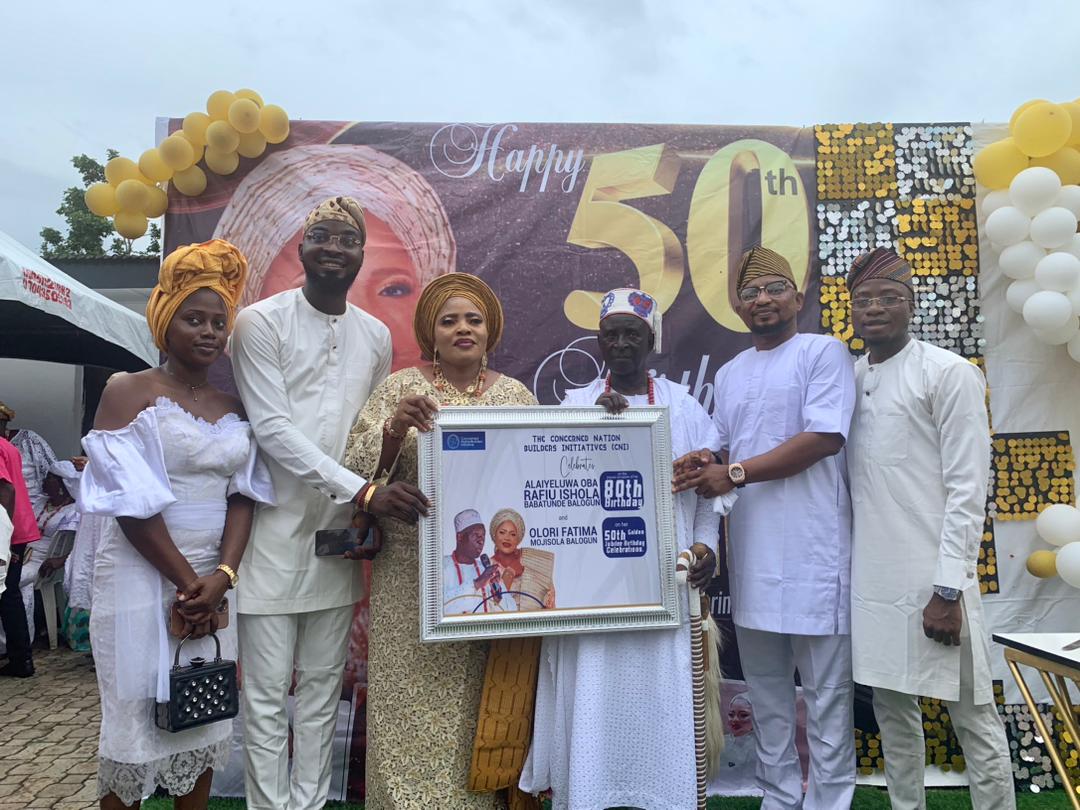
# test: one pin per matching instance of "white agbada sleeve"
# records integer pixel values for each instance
(959, 412)
(262, 387)
(830, 391)
(704, 435)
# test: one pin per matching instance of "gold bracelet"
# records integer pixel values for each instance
(227, 571)
(368, 495)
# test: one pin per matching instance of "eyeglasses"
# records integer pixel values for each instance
(773, 290)
(345, 240)
(886, 301)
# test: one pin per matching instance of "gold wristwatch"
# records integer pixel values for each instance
(737, 474)
(227, 571)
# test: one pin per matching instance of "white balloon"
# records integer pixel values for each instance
(1019, 292)
(1068, 564)
(1074, 348)
(1058, 271)
(993, 201)
(1059, 337)
(1059, 524)
(1074, 298)
(1019, 260)
(1073, 245)
(1047, 310)
(1053, 228)
(1069, 197)
(1034, 189)
(1007, 226)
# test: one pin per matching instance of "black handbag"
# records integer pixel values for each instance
(201, 692)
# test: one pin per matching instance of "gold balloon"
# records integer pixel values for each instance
(274, 123)
(221, 136)
(252, 144)
(1019, 110)
(176, 152)
(998, 163)
(130, 224)
(131, 195)
(120, 169)
(1073, 109)
(101, 199)
(251, 94)
(196, 149)
(190, 182)
(1042, 129)
(244, 115)
(157, 202)
(152, 165)
(1042, 564)
(1065, 162)
(218, 104)
(221, 162)
(195, 125)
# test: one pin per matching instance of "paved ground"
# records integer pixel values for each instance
(48, 735)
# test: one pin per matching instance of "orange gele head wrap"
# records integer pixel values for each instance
(215, 265)
(455, 285)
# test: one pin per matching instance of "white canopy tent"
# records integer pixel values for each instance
(47, 315)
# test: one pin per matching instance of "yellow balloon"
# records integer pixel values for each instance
(195, 125)
(1019, 110)
(252, 144)
(101, 199)
(131, 195)
(157, 202)
(120, 169)
(221, 162)
(221, 136)
(998, 163)
(190, 182)
(218, 104)
(1073, 109)
(274, 123)
(176, 152)
(130, 224)
(244, 92)
(244, 115)
(1042, 129)
(1065, 161)
(196, 149)
(152, 165)
(1042, 564)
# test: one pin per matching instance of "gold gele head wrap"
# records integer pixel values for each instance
(879, 263)
(339, 209)
(759, 262)
(215, 265)
(455, 285)
(6, 414)
(508, 516)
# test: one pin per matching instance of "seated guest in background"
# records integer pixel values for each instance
(174, 475)
(36, 454)
(920, 452)
(15, 501)
(423, 698)
(614, 718)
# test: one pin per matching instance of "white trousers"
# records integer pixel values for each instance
(978, 728)
(270, 648)
(769, 661)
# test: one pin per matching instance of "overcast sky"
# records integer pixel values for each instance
(81, 77)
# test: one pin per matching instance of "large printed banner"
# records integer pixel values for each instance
(552, 215)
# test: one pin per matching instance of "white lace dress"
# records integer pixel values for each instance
(171, 462)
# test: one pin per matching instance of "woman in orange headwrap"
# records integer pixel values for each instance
(174, 475)
(435, 709)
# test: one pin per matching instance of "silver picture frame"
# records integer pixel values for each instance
(436, 627)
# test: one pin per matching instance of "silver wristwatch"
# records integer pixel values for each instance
(948, 594)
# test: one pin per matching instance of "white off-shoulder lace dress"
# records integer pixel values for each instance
(170, 462)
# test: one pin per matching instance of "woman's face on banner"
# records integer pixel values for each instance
(740, 718)
(387, 285)
(507, 538)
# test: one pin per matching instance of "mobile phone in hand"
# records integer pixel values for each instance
(337, 542)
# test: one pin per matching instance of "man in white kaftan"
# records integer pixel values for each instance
(305, 361)
(920, 457)
(614, 718)
(783, 409)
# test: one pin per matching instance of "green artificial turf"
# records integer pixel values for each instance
(866, 798)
